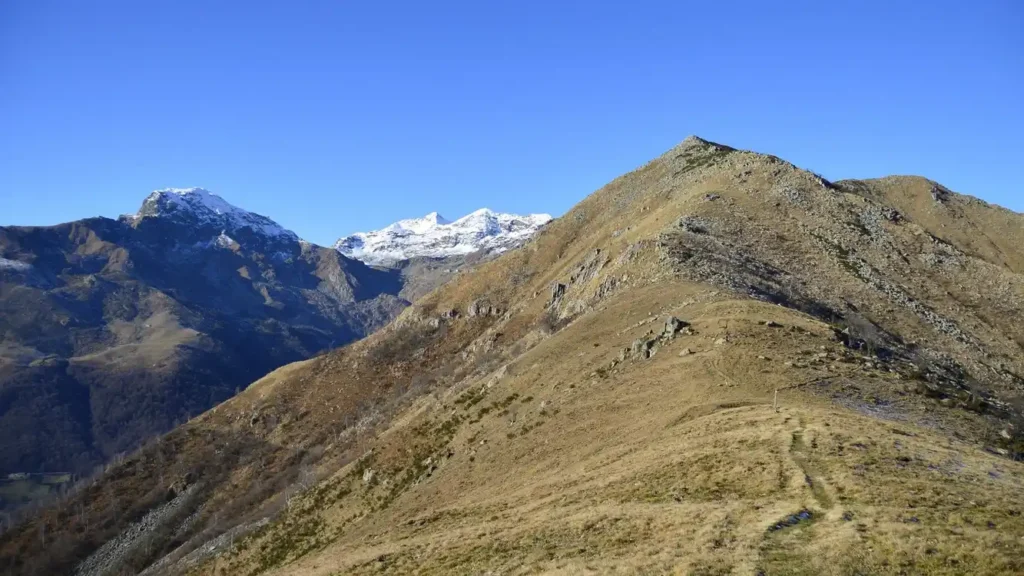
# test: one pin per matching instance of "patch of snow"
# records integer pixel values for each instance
(208, 209)
(225, 241)
(434, 236)
(6, 264)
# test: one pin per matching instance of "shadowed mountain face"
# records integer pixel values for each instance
(717, 363)
(112, 331)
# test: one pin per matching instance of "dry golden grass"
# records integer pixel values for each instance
(668, 465)
(527, 442)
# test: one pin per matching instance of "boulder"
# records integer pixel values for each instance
(642, 348)
(481, 307)
(673, 326)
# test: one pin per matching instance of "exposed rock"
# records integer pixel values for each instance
(694, 224)
(557, 291)
(892, 215)
(481, 307)
(672, 326)
(939, 194)
(606, 288)
(588, 268)
(108, 556)
(641, 347)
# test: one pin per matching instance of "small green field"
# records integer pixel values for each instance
(19, 489)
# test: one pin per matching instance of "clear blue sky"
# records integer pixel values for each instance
(335, 116)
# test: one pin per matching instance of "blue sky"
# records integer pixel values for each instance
(334, 116)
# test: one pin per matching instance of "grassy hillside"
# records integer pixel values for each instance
(718, 363)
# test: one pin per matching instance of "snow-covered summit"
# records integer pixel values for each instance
(202, 207)
(434, 236)
(419, 225)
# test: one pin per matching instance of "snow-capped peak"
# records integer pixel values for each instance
(207, 208)
(419, 225)
(434, 236)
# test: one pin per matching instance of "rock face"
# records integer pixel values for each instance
(481, 308)
(115, 330)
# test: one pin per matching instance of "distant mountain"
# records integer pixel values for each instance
(112, 331)
(196, 206)
(433, 236)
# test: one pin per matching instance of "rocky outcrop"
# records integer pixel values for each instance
(647, 346)
(482, 307)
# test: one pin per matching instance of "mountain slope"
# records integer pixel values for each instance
(435, 237)
(115, 330)
(604, 399)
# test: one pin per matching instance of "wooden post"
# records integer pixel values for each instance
(775, 405)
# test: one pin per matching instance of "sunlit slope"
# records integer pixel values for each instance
(603, 398)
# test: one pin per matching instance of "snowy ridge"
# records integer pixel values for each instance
(206, 208)
(18, 265)
(434, 236)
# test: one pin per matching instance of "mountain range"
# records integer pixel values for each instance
(719, 363)
(114, 331)
(433, 236)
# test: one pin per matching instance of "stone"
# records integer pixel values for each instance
(368, 475)
(557, 291)
(672, 326)
(939, 194)
(637, 346)
(892, 215)
(721, 341)
(693, 224)
(480, 307)
(685, 352)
